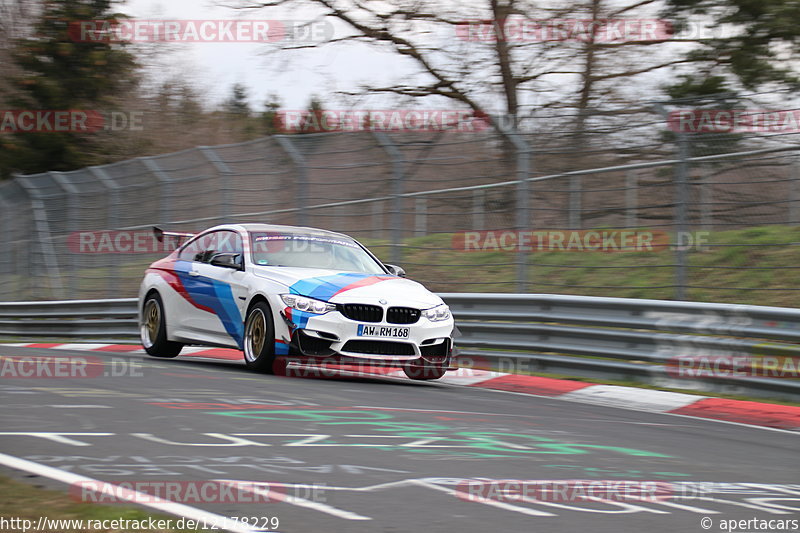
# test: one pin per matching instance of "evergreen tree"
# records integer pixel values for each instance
(752, 43)
(237, 104)
(61, 71)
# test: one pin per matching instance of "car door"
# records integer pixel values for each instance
(224, 288)
(198, 320)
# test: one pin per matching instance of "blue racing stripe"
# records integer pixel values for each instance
(217, 297)
(324, 287)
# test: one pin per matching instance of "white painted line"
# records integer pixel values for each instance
(80, 346)
(467, 376)
(627, 507)
(135, 497)
(684, 507)
(251, 486)
(81, 406)
(492, 503)
(770, 510)
(189, 350)
(656, 401)
(17, 344)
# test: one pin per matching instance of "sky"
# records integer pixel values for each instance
(215, 66)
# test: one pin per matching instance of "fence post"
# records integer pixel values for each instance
(224, 173)
(706, 208)
(680, 173)
(71, 192)
(398, 176)
(114, 202)
(522, 208)
(479, 209)
(631, 199)
(575, 202)
(301, 184)
(377, 220)
(8, 239)
(794, 177)
(45, 238)
(23, 255)
(681, 201)
(420, 217)
(340, 219)
(166, 189)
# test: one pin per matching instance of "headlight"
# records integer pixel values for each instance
(435, 314)
(309, 305)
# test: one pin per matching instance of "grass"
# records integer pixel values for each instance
(29, 502)
(749, 266)
(755, 265)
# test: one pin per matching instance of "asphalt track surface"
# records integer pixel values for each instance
(379, 454)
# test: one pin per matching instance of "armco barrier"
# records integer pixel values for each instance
(606, 338)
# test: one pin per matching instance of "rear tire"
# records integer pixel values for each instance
(153, 329)
(259, 339)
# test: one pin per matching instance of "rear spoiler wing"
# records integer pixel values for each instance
(160, 234)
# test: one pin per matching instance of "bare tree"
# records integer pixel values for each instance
(491, 55)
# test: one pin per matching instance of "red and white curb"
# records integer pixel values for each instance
(655, 401)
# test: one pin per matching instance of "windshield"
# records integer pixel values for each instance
(312, 251)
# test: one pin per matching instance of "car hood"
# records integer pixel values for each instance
(349, 287)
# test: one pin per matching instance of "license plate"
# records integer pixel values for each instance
(382, 331)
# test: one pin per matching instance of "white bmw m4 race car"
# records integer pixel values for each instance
(282, 293)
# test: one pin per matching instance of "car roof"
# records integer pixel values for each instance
(278, 228)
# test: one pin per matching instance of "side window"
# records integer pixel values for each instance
(202, 248)
(229, 242)
(198, 248)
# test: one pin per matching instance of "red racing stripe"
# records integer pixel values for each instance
(372, 280)
(166, 269)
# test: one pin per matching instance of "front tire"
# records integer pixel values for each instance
(153, 329)
(259, 339)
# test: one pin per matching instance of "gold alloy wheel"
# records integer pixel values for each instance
(152, 322)
(255, 334)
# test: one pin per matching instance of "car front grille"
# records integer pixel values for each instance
(361, 312)
(378, 347)
(402, 315)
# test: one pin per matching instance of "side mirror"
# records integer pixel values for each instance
(227, 260)
(395, 270)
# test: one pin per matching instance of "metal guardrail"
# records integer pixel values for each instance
(608, 338)
(89, 319)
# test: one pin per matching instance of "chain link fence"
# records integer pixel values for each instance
(609, 202)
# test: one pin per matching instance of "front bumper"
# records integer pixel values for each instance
(334, 335)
